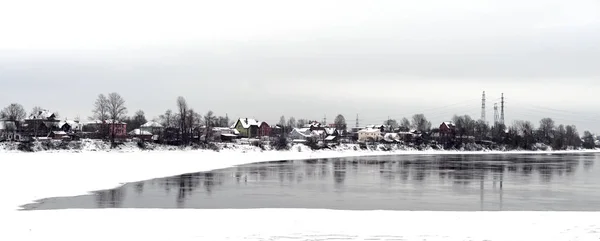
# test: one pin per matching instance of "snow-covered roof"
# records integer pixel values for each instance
(448, 124)
(246, 123)
(41, 115)
(59, 133)
(330, 131)
(229, 135)
(330, 138)
(262, 122)
(369, 131)
(100, 122)
(138, 132)
(318, 132)
(72, 123)
(152, 124)
(302, 131)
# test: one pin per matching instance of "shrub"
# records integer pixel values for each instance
(281, 143)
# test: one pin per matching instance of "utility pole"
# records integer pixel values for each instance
(496, 117)
(502, 110)
(483, 107)
(356, 120)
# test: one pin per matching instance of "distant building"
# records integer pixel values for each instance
(247, 127)
(141, 134)
(369, 134)
(40, 123)
(264, 129)
(447, 128)
(8, 131)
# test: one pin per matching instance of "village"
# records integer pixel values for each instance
(43, 125)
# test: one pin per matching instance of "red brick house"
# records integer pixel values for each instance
(264, 129)
(447, 129)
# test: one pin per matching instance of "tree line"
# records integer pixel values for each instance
(184, 125)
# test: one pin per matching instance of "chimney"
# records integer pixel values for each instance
(246, 119)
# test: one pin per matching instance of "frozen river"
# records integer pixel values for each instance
(527, 182)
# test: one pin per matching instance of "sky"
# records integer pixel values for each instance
(307, 59)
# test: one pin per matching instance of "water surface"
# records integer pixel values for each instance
(515, 182)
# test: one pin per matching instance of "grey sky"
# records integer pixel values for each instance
(265, 59)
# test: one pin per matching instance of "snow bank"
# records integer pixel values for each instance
(30, 176)
(288, 224)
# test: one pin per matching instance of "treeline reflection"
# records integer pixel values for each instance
(458, 170)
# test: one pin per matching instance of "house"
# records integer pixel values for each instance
(69, 126)
(8, 130)
(224, 134)
(41, 123)
(365, 135)
(153, 127)
(247, 127)
(264, 129)
(447, 128)
(109, 126)
(302, 134)
(59, 135)
(141, 134)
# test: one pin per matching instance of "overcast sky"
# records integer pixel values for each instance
(309, 59)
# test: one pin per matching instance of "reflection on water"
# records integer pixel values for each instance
(437, 182)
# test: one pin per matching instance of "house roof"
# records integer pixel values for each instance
(369, 131)
(330, 131)
(59, 133)
(100, 122)
(41, 115)
(152, 124)
(448, 124)
(330, 138)
(302, 131)
(138, 132)
(69, 122)
(246, 123)
(318, 132)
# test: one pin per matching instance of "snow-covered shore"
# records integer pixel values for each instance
(31, 176)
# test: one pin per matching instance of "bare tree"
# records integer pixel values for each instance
(190, 122)
(36, 110)
(572, 137)
(405, 124)
(391, 124)
(291, 123)
(301, 123)
(13, 112)
(209, 119)
(420, 123)
(100, 111)
(546, 130)
(588, 140)
(167, 119)
(340, 122)
(116, 111)
(183, 108)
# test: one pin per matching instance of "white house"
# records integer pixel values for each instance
(369, 134)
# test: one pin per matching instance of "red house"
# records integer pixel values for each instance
(447, 129)
(264, 129)
(119, 128)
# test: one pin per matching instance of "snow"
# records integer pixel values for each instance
(138, 132)
(152, 124)
(31, 176)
